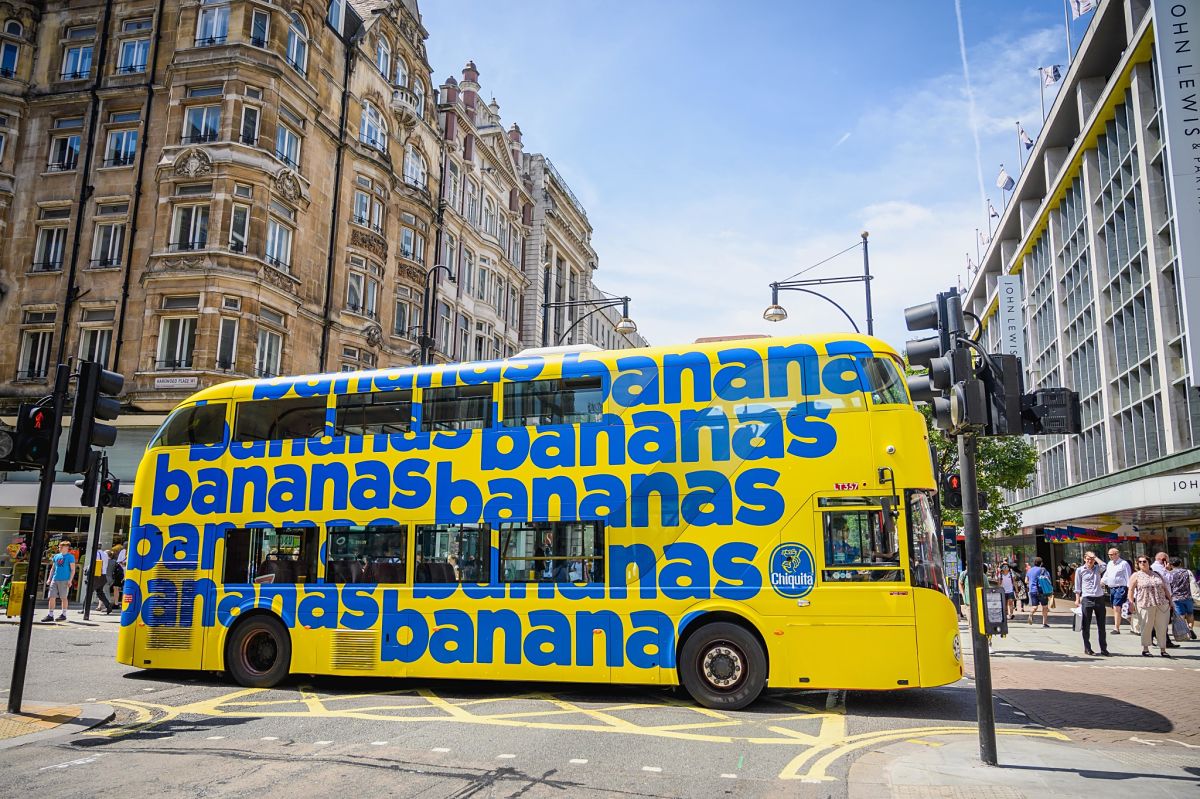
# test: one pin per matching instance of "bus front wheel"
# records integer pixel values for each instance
(723, 666)
(259, 652)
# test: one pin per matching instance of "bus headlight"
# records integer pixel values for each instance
(957, 648)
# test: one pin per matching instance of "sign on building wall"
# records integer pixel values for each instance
(1012, 323)
(1177, 46)
(176, 382)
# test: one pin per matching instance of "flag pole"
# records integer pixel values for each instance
(1004, 192)
(1042, 89)
(1067, 29)
(978, 256)
(989, 215)
(1020, 148)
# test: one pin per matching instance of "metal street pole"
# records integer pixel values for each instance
(37, 543)
(985, 711)
(867, 285)
(101, 476)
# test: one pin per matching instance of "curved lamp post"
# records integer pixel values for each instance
(624, 326)
(777, 313)
(426, 340)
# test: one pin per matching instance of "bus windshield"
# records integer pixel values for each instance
(924, 545)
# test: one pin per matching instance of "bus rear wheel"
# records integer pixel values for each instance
(259, 652)
(723, 666)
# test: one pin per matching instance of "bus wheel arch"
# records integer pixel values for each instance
(258, 650)
(722, 660)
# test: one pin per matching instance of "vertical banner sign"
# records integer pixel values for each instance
(1177, 47)
(1012, 323)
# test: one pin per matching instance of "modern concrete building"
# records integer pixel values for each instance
(1089, 280)
(193, 191)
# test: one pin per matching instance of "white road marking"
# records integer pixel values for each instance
(1138, 740)
(1181, 743)
(268, 738)
(90, 699)
(378, 743)
(322, 743)
(1019, 713)
(652, 768)
(147, 690)
(440, 749)
(729, 776)
(83, 761)
(579, 761)
(505, 757)
(215, 738)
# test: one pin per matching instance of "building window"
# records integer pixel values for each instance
(443, 327)
(297, 44)
(453, 188)
(373, 129)
(408, 318)
(250, 121)
(383, 56)
(243, 190)
(190, 228)
(133, 56)
(287, 146)
(466, 270)
(176, 342)
(95, 343)
(368, 211)
(64, 153)
(337, 12)
(266, 359)
(472, 209)
(108, 244)
(77, 58)
(227, 344)
(239, 228)
(51, 243)
(362, 295)
(212, 27)
(401, 71)
(279, 245)
(489, 216)
(414, 167)
(35, 353)
(121, 148)
(260, 28)
(418, 90)
(10, 55)
(135, 25)
(13, 28)
(201, 123)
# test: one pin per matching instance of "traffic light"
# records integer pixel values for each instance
(95, 398)
(1003, 385)
(87, 486)
(1051, 411)
(952, 491)
(110, 493)
(951, 371)
(35, 429)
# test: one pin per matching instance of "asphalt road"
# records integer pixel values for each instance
(201, 735)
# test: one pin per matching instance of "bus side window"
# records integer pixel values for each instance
(552, 552)
(274, 420)
(857, 542)
(195, 424)
(456, 408)
(453, 553)
(373, 413)
(546, 402)
(270, 555)
(367, 554)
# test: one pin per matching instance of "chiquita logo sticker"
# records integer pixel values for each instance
(792, 573)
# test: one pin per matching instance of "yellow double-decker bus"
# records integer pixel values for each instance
(726, 515)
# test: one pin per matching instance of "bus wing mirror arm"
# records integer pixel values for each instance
(887, 476)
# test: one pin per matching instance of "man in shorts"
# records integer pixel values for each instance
(1038, 597)
(1116, 579)
(58, 581)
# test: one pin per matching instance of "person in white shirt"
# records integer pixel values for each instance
(1116, 580)
(1160, 565)
(1089, 595)
(1006, 584)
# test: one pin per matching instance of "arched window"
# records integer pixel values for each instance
(401, 72)
(414, 167)
(13, 28)
(419, 94)
(383, 56)
(297, 44)
(373, 129)
(489, 216)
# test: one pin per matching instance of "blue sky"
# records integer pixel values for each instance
(719, 146)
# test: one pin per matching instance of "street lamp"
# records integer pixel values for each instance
(426, 340)
(777, 313)
(624, 326)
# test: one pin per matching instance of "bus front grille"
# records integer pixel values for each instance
(358, 651)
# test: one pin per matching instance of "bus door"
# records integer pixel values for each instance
(862, 608)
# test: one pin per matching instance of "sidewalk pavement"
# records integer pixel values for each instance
(38, 722)
(74, 617)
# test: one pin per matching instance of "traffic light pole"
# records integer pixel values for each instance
(976, 579)
(37, 544)
(102, 474)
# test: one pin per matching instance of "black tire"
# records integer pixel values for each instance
(258, 653)
(723, 666)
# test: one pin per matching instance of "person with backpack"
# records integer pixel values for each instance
(103, 572)
(1041, 589)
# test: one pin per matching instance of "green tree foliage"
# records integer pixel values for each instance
(1004, 463)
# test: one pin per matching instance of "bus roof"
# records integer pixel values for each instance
(552, 355)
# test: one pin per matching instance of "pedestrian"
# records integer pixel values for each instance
(1150, 599)
(964, 590)
(1116, 580)
(58, 581)
(1037, 579)
(117, 579)
(1180, 580)
(1010, 596)
(1020, 589)
(103, 565)
(1160, 564)
(1090, 598)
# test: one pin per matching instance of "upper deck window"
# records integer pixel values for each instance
(456, 408)
(546, 402)
(266, 420)
(884, 381)
(194, 424)
(373, 413)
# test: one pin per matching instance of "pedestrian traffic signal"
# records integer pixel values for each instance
(110, 493)
(95, 398)
(952, 491)
(35, 431)
(87, 486)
